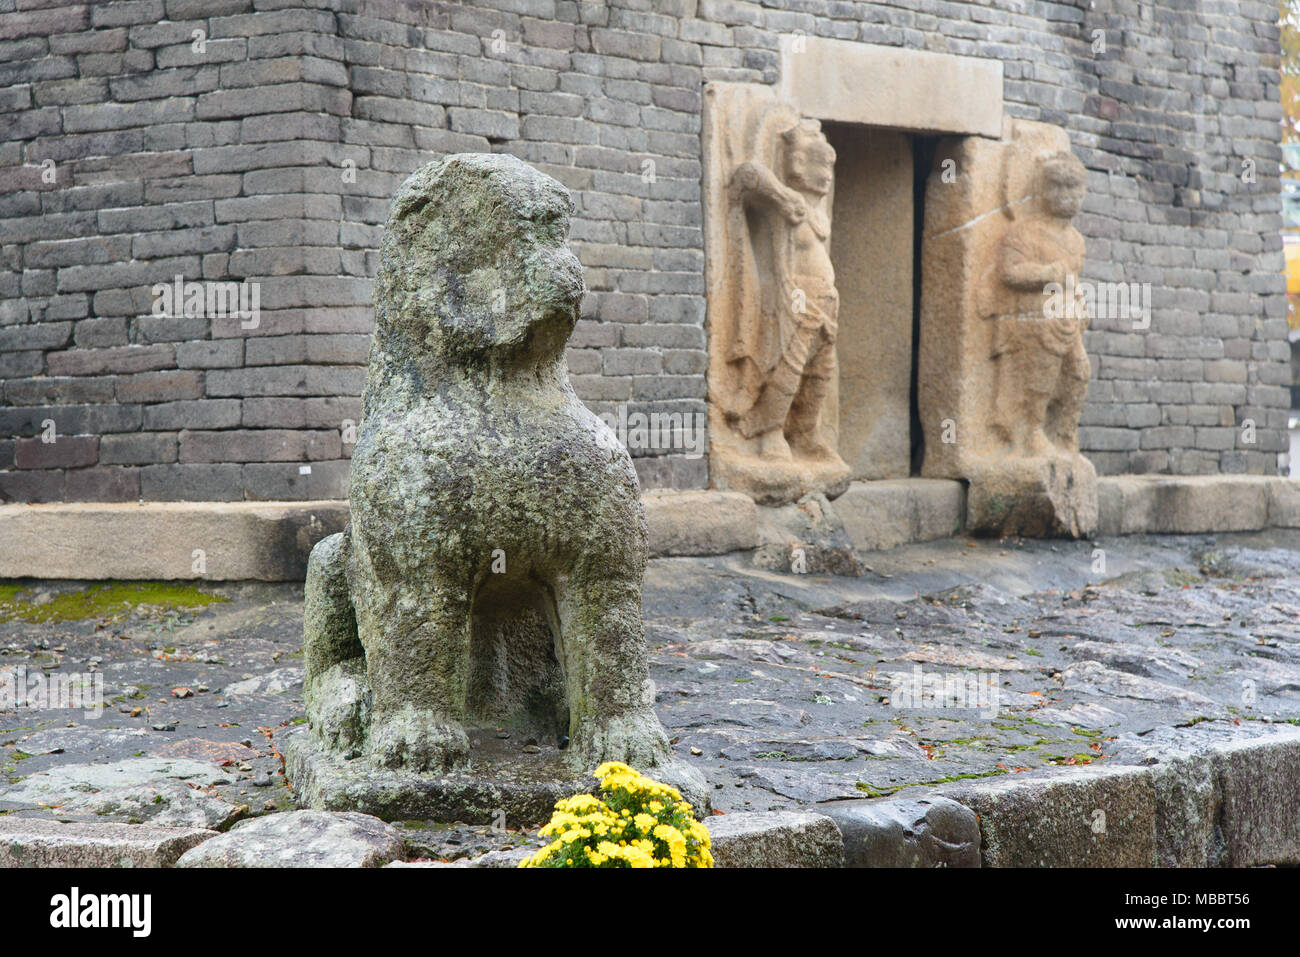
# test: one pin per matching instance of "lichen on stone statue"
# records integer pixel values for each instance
(482, 611)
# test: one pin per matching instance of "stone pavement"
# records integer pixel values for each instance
(783, 689)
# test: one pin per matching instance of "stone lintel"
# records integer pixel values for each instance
(852, 82)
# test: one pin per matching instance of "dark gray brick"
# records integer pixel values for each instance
(142, 448)
(68, 451)
(102, 485)
(191, 483)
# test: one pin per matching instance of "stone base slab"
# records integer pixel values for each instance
(522, 787)
(214, 541)
(776, 483)
(700, 523)
(270, 541)
(1225, 803)
(893, 512)
(806, 536)
(1231, 804)
(1033, 497)
(525, 794)
(1196, 504)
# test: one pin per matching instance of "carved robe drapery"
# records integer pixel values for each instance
(773, 306)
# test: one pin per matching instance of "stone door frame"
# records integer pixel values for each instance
(888, 89)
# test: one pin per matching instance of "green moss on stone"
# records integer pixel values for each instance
(106, 600)
(885, 792)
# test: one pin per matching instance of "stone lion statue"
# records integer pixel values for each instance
(490, 577)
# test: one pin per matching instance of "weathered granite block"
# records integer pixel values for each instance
(775, 839)
(301, 839)
(1100, 817)
(29, 842)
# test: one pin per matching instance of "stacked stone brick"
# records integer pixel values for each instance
(260, 140)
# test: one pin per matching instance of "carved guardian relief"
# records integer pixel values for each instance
(1003, 370)
(773, 305)
(1041, 370)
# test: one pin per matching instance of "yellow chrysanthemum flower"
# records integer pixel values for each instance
(652, 825)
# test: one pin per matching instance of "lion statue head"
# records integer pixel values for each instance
(474, 264)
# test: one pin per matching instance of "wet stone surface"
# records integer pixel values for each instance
(1087, 649)
(782, 689)
(205, 687)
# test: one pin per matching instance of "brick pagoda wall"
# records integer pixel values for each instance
(260, 140)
